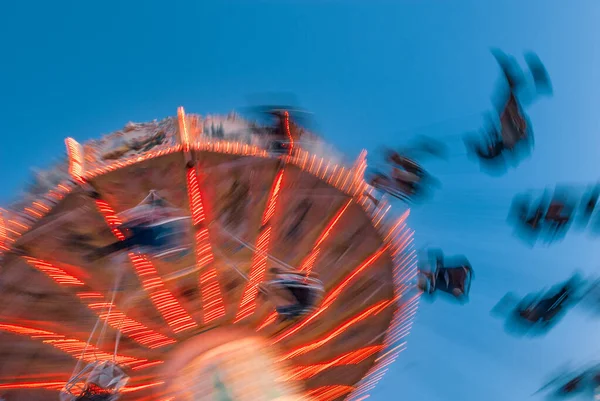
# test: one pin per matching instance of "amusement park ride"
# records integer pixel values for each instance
(213, 258)
(172, 265)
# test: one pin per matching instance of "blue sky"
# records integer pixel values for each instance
(373, 72)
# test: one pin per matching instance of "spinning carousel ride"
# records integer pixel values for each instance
(93, 306)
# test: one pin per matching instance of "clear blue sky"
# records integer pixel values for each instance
(371, 72)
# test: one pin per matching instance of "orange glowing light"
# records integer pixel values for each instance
(272, 318)
(371, 311)
(350, 358)
(76, 159)
(270, 210)
(286, 121)
(309, 261)
(183, 132)
(401, 323)
(348, 181)
(130, 327)
(131, 389)
(57, 386)
(212, 299)
(71, 346)
(132, 160)
(259, 259)
(328, 393)
(332, 296)
(37, 210)
(54, 272)
(46, 385)
(257, 273)
(400, 221)
(164, 301)
(3, 233)
(96, 302)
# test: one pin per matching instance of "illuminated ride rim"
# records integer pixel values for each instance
(197, 324)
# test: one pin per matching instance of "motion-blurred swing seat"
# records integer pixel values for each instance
(98, 381)
(305, 290)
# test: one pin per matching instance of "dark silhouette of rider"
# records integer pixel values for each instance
(572, 385)
(301, 290)
(494, 148)
(558, 214)
(513, 129)
(406, 173)
(452, 280)
(139, 236)
(546, 309)
(93, 392)
(534, 221)
(589, 203)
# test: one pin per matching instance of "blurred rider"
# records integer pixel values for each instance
(452, 280)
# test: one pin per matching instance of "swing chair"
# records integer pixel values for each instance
(151, 210)
(165, 231)
(383, 183)
(98, 381)
(301, 293)
(293, 293)
(458, 274)
(171, 239)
